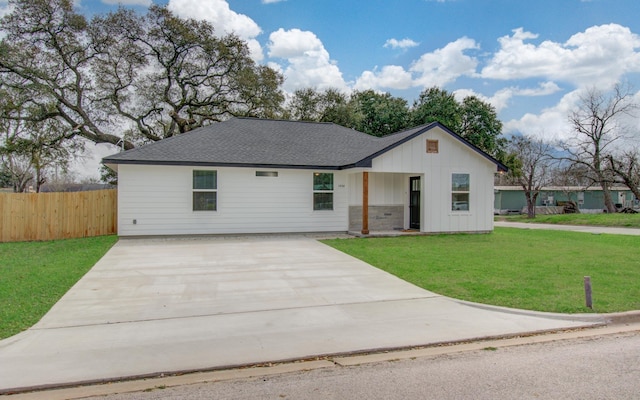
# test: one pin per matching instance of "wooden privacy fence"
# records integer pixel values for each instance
(60, 215)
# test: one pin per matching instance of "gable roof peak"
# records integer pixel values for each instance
(256, 142)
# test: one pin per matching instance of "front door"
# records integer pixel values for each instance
(414, 202)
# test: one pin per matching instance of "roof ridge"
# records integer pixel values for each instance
(413, 128)
(289, 120)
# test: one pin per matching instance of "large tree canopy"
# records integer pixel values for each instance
(148, 77)
(435, 104)
(380, 114)
(327, 106)
(473, 119)
(29, 148)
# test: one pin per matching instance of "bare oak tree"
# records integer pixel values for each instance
(533, 170)
(597, 126)
(626, 168)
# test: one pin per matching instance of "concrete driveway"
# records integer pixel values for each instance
(167, 305)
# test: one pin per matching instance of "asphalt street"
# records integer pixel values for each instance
(601, 367)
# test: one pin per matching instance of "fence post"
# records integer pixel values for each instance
(587, 292)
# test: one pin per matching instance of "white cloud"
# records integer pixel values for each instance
(544, 89)
(223, 19)
(293, 43)
(390, 76)
(500, 99)
(551, 123)
(272, 1)
(598, 56)
(400, 44)
(146, 3)
(309, 64)
(445, 65)
(437, 68)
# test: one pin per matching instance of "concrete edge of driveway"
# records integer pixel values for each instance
(594, 318)
(618, 323)
(592, 229)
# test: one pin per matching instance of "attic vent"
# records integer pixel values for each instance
(432, 146)
(267, 173)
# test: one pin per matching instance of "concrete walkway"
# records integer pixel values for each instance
(167, 305)
(572, 228)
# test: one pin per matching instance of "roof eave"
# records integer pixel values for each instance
(108, 161)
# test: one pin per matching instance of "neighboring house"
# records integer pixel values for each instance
(250, 175)
(590, 200)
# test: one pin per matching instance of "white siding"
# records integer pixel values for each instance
(384, 189)
(411, 159)
(159, 199)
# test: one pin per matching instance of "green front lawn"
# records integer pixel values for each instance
(615, 220)
(527, 269)
(35, 275)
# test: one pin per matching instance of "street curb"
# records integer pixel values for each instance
(47, 388)
(592, 322)
(179, 378)
(621, 318)
(594, 318)
(625, 317)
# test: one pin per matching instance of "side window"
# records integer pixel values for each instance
(460, 192)
(205, 190)
(322, 191)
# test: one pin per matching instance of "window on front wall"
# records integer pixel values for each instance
(272, 174)
(322, 191)
(205, 190)
(460, 192)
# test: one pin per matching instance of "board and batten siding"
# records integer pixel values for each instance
(411, 159)
(159, 200)
(384, 189)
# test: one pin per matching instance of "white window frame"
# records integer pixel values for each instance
(195, 190)
(323, 191)
(460, 208)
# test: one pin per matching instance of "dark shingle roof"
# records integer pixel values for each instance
(269, 143)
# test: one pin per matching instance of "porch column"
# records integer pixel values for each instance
(365, 203)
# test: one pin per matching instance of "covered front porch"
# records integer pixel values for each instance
(385, 204)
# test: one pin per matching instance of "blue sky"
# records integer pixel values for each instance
(530, 59)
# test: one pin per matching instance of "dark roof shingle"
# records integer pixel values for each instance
(268, 143)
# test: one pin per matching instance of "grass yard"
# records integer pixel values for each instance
(35, 275)
(527, 269)
(615, 220)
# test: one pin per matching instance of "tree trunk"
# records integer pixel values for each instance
(608, 203)
(531, 204)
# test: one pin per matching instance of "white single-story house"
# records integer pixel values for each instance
(251, 175)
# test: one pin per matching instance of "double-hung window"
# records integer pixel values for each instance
(322, 191)
(460, 188)
(205, 190)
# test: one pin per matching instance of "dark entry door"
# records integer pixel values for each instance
(414, 202)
